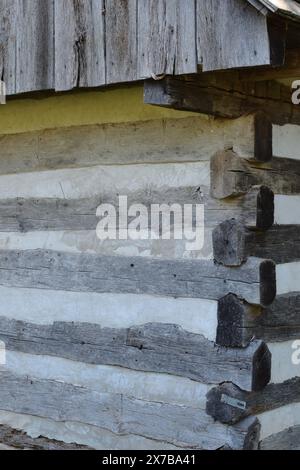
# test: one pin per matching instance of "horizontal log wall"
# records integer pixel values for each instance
(123, 415)
(224, 95)
(59, 369)
(45, 214)
(152, 348)
(255, 281)
(158, 142)
(109, 310)
(148, 386)
(81, 434)
(239, 322)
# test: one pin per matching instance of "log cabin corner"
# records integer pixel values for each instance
(140, 342)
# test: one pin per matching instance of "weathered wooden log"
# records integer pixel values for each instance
(223, 95)
(154, 347)
(217, 52)
(228, 404)
(255, 209)
(239, 322)
(255, 281)
(233, 243)
(231, 175)
(192, 139)
(291, 69)
(178, 425)
(289, 439)
(20, 440)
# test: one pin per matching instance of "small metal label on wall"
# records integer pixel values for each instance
(233, 402)
(2, 92)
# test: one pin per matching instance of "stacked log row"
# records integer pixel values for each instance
(113, 344)
(240, 322)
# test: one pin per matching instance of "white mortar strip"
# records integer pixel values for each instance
(86, 241)
(88, 182)
(84, 434)
(108, 310)
(286, 141)
(287, 210)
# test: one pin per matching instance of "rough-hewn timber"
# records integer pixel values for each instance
(233, 243)
(20, 440)
(239, 322)
(228, 404)
(194, 138)
(231, 175)
(254, 210)
(179, 425)
(255, 281)
(223, 51)
(223, 95)
(152, 347)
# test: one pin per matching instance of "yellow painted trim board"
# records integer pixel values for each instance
(114, 105)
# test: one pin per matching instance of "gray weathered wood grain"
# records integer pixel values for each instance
(248, 41)
(98, 42)
(239, 322)
(8, 15)
(79, 44)
(233, 243)
(255, 210)
(179, 425)
(121, 40)
(251, 403)
(186, 53)
(45, 269)
(34, 45)
(156, 37)
(166, 37)
(22, 441)
(231, 175)
(223, 95)
(153, 347)
(157, 141)
(288, 439)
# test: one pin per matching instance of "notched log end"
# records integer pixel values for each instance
(261, 367)
(265, 208)
(226, 403)
(234, 316)
(227, 171)
(267, 275)
(156, 93)
(229, 243)
(263, 130)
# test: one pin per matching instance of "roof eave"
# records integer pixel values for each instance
(289, 9)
